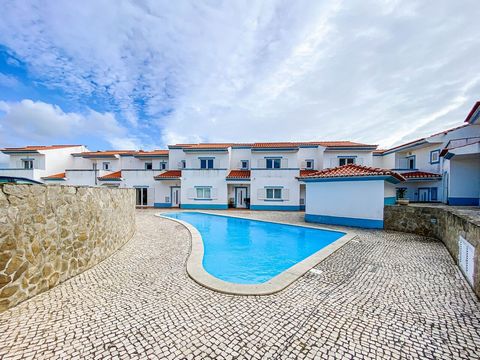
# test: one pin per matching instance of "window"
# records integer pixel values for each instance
(275, 194)
(273, 163)
(203, 193)
(206, 163)
(142, 197)
(309, 164)
(411, 162)
(434, 157)
(148, 166)
(163, 165)
(106, 166)
(244, 164)
(28, 164)
(346, 161)
(183, 164)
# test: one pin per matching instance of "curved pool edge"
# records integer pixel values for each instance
(198, 273)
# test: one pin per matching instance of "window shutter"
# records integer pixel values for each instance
(191, 193)
(239, 165)
(180, 165)
(284, 163)
(150, 196)
(262, 163)
(214, 193)
(285, 194)
(261, 194)
(303, 165)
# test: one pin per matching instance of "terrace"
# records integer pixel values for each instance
(379, 296)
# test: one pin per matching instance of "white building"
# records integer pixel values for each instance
(35, 162)
(350, 195)
(432, 174)
(262, 176)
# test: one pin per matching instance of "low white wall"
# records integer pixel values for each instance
(464, 179)
(346, 202)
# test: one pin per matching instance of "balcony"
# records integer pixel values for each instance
(32, 174)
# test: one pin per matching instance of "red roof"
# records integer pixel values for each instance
(39, 147)
(352, 170)
(283, 144)
(307, 172)
(152, 152)
(169, 174)
(113, 176)
(420, 175)
(58, 176)
(239, 174)
(106, 153)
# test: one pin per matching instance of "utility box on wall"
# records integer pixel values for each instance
(466, 255)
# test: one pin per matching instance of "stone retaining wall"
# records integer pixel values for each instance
(442, 222)
(50, 233)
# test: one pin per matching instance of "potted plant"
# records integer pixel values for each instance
(401, 199)
(231, 202)
(247, 203)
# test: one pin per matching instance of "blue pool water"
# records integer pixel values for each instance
(252, 252)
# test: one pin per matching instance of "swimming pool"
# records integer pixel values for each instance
(244, 251)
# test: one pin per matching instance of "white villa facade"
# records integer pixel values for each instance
(444, 167)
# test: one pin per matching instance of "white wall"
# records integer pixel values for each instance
(174, 158)
(346, 199)
(163, 190)
(285, 178)
(213, 178)
(389, 190)
(331, 158)
(464, 177)
(57, 160)
(239, 154)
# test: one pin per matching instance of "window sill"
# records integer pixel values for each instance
(274, 200)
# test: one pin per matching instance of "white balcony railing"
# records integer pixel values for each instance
(32, 174)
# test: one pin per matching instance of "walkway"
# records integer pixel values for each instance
(384, 295)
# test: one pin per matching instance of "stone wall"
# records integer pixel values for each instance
(442, 222)
(50, 233)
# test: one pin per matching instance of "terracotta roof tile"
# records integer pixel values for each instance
(58, 176)
(420, 175)
(152, 152)
(353, 170)
(37, 148)
(282, 144)
(169, 174)
(113, 176)
(239, 174)
(106, 153)
(307, 172)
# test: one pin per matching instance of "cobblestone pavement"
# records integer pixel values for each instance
(383, 295)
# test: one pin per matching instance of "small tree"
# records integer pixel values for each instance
(401, 193)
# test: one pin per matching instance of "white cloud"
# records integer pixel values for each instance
(36, 122)
(381, 71)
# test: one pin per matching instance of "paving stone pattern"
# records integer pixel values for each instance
(383, 295)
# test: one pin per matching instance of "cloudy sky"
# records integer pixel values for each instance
(143, 74)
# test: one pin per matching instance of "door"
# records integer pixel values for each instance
(175, 196)
(240, 196)
(142, 196)
(423, 195)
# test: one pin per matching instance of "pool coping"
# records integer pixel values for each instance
(279, 282)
